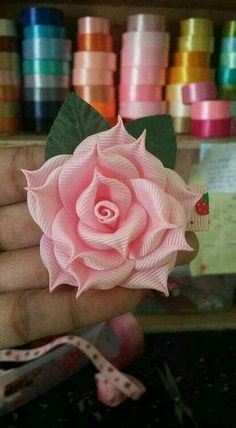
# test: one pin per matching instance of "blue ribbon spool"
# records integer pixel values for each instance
(45, 94)
(44, 31)
(41, 15)
(226, 76)
(51, 48)
(228, 44)
(41, 109)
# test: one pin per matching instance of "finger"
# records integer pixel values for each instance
(185, 257)
(29, 315)
(17, 228)
(22, 269)
(12, 180)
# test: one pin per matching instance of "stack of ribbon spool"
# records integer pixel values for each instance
(144, 58)
(46, 66)
(94, 66)
(10, 79)
(190, 64)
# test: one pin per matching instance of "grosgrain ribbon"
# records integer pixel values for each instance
(146, 22)
(98, 93)
(104, 60)
(46, 81)
(10, 61)
(134, 57)
(47, 48)
(196, 43)
(143, 76)
(229, 29)
(140, 93)
(41, 15)
(228, 44)
(45, 94)
(216, 109)
(44, 31)
(198, 26)
(191, 59)
(211, 128)
(92, 24)
(10, 93)
(199, 91)
(189, 74)
(9, 109)
(9, 77)
(95, 42)
(46, 66)
(177, 108)
(8, 27)
(39, 109)
(226, 76)
(136, 109)
(92, 76)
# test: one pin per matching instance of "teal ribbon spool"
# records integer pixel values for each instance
(46, 66)
(44, 31)
(226, 76)
(52, 48)
(227, 92)
(228, 44)
(228, 60)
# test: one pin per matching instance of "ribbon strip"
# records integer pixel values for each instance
(146, 22)
(96, 93)
(198, 26)
(92, 24)
(47, 48)
(143, 76)
(154, 57)
(199, 91)
(46, 81)
(174, 92)
(216, 109)
(44, 31)
(45, 66)
(104, 60)
(140, 93)
(196, 43)
(178, 109)
(95, 42)
(45, 94)
(92, 76)
(189, 75)
(118, 385)
(211, 128)
(147, 39)
(191, 59)
(8, 28)
(41, 15)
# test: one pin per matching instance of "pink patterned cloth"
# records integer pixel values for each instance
(111, 214)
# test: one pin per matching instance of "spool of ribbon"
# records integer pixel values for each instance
(178, 109)
(10, 61)
(95, 60)
(140, 93)
(146, 22)
(46, 81)
(182, 125)
(154, 57)
(143, 76)
(227, 92)
(9, 109)
(45, 94)
(189, 74)
(41, 109)
(147, 39)
(95, 42)
(106, 109)
(8, 28)
(191, 59)
(97, 93)
(229, 29)
(211, 128)
(226, 76)
(197, 26)
(10, 125)
(45, 66)
(44, 31)
(47, 48)
(10, 93)
(228, 60)
(92, 76)
(199, 91)
(196, 43)
(38, 125)
(93, 25)
(9, 44)
(41, 15)
(136, 109)
(174, 92)
(212, 110)
(228, 44)
(9, 77)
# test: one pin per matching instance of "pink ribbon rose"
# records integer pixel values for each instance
(111, 214)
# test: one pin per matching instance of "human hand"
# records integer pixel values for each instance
(27, 309)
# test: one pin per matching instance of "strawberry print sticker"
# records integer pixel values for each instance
(202, 206)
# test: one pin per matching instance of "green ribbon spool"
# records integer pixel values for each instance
(46, 66)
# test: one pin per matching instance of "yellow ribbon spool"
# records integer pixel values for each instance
(196, 26)
(191, 59)
(195, 43)
(189, 75)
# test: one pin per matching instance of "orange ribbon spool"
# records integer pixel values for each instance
(10, 93)
(191, 59)
(189, 74)
(95, 42)
(96, 93)
(105, 109)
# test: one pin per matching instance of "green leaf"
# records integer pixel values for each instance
(75, 121)
(160, 138)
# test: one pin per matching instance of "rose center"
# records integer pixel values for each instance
(106, 212)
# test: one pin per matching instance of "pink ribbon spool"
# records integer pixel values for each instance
(146, 22)
(147, 39)
(212, 110)
(199, 91)
(154, 57)
(215, 128)
(143, 76)
(87, 59)
(136, 109)
(92, 24)
(92, 76)
(140, 93)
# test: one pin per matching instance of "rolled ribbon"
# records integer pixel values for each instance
(217, 109)
(45, 66)
(146, 22)
(46, 81)
(147, 39)
(143, 76)
(136, 109)
(41, 109)
(105, 109)
(96, 93)
(177, 108)
(228, 60)
(8, 27)
(228, 44)
(140, 93)
(191, 59)
(226, 76)
(38, 125)
(95, 42)
(92, 76)
(47, 48)
(229, 29)
(41, 15)
(196, 43)
(10, 109)
(199, 91)
(92, 24)
(9, 44)
(95, 60)
(44, 31)
(189, 74)
(154, 57)
(182, 125)
(227, 92)
(10, 125)
(10, 93)
(9, 77)
(9, 61)
(45, 94)
(199, 26)
(211, 128)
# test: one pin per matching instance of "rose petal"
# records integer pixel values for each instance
(176, 187)
(155, 279)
